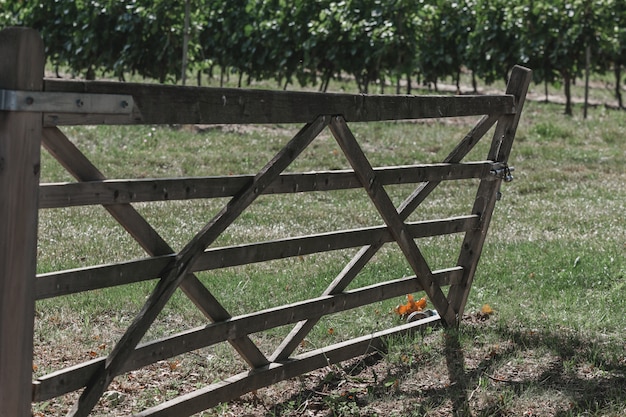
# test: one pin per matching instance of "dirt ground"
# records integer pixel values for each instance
(479, 371)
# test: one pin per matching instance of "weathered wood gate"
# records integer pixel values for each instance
(32, 109)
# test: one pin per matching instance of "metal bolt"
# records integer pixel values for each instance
(124, 104)
(29, 100)
(79, 103)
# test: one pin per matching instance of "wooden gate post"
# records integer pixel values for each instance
(21, 68)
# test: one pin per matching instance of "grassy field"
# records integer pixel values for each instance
(553, 270)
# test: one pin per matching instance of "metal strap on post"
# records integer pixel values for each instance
(41, 101)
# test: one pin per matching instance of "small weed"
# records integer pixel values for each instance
(343, 404)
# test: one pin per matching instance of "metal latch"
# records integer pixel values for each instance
(503, 172)
(55, 102)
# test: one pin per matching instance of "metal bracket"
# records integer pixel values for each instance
(55, 102)
(503, 172)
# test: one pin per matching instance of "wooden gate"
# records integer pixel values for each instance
(33, 109)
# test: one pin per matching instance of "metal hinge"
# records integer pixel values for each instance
(55, 102)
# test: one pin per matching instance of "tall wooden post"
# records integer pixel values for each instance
(21, 68)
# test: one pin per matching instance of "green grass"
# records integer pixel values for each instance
(553, 267)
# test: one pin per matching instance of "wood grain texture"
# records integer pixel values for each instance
(74, 378)
(237, 385)
(178, 270)
(389, 213)
(358, 262)
(108, 192)
(54, 284)
(162, 104)
(76, 163)
(21, 68)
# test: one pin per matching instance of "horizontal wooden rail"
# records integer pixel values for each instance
(167, 104)
(244, 382)
(84, 279)
(120, 191)
(73, 378)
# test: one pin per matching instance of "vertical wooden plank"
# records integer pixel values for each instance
(21, 68)
(484, 204)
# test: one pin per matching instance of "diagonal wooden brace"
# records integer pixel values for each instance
(77, 164)
(390, 215)
(358, 262)
(179, 269)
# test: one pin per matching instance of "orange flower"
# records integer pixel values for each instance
(411, 306)
(486, 310)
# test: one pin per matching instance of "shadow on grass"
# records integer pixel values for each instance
(602, 390)
(587, 377)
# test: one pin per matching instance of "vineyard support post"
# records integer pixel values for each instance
(21, 68)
